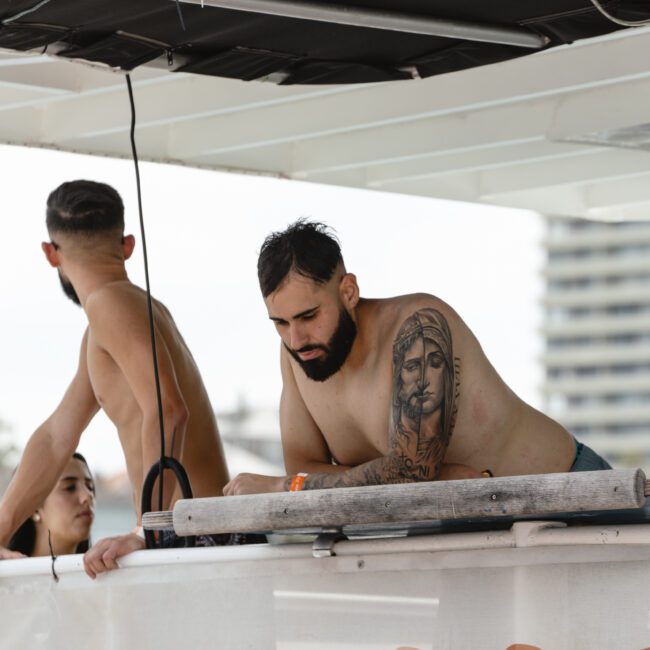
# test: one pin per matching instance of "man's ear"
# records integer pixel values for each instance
(349, 290)
(128, 244)
(51, 254)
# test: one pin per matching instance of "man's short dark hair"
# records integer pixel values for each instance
(305, 247)
(84, 207)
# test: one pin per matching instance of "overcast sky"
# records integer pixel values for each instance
(204, 230)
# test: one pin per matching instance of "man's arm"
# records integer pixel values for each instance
(423, 409)
(49, 449)
(303, 445)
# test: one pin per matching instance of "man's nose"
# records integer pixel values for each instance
(297, 337)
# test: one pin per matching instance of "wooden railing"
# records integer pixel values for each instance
(514, 496)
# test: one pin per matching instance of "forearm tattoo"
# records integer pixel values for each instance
(425, 394)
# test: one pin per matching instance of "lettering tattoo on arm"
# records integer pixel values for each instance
(423, 411)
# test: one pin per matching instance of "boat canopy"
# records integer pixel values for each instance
(540, 105)
(302, 42)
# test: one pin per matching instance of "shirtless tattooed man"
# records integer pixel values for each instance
(85, 222)
(388, 391)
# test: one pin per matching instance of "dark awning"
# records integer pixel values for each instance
(248, 45)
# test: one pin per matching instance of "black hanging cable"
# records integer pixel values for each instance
(152, 328)
(52, 555)
(157, 470)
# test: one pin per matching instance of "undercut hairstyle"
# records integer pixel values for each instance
(24, 539)
(307, 248)
(84, 207)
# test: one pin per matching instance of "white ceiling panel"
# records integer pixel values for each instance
(505, 134)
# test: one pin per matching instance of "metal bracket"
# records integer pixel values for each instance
(323, 545)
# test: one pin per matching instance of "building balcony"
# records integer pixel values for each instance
(632, 293)
(597, 356)
(619, 445)
(597, 326)
(598, 238)
(597, 267)
(603, 416)
(601, 385)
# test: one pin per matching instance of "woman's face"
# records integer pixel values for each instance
(69, 510)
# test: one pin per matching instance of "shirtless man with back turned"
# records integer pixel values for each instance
(85, 222)
(388, 391)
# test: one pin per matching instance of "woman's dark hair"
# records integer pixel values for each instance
(84, 207)
(308, 248)
(24, 538)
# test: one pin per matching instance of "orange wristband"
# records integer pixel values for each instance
(297, 482)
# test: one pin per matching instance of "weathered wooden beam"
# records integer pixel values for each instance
(534, 495)
(163, 520)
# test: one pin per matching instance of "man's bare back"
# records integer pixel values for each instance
(385, 391)
(202, 453)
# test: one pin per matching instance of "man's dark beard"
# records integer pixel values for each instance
(69, 291)
(336, 350)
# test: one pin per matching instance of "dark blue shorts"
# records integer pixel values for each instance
(587, 460)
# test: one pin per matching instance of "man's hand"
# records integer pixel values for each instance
(103, 555)
(6, 554)
(255, 484)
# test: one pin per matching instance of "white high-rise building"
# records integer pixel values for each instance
(597, 331)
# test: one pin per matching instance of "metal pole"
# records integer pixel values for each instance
(391, 21)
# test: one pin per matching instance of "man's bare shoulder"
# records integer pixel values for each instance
(122, 294)
(390, 313)
(115, 295)
(112, 291)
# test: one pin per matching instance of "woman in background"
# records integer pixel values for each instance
(61, 526)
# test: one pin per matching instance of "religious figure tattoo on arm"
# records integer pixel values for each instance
(425, 391)
(423, 411)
